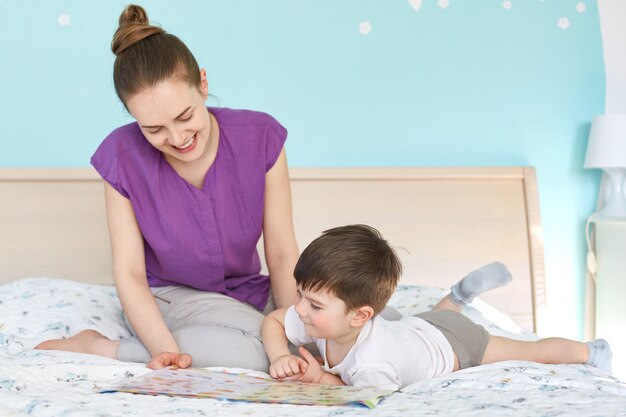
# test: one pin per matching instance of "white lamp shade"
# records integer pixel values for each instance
(607, 142)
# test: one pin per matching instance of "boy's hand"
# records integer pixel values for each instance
(287, 366)
(313, 372)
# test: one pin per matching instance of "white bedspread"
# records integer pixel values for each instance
(47, 383)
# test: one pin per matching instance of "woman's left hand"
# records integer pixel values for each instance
(164, 359)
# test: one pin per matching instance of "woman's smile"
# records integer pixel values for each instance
(187, 146)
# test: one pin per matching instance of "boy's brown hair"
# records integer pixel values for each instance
(354, 263)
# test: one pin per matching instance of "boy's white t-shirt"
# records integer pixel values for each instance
(387, 354)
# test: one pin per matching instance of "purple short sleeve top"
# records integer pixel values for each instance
(202, 238)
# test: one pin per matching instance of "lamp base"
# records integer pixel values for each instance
(615, 207)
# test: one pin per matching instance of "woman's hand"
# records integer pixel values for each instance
(164, 359)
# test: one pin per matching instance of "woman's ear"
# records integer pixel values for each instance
(204, 84)
(361, 316)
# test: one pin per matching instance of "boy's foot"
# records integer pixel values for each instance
(600, 355)
(483, 279)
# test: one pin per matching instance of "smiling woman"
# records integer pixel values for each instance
(189, 190)
(184, 131)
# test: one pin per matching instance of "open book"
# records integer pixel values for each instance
(197, 382)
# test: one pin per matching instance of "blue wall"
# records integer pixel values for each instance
(473, 83)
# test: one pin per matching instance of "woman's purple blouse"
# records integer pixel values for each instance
(205, 239)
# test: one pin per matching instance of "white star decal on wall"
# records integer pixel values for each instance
(64, 20)
(416, 4)
(365, 27)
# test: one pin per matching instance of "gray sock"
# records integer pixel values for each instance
(600, 355)
(485, 278)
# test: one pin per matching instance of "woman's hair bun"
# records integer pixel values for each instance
(133, 14)
(134, 27)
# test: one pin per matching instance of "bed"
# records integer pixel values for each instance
(55, 280)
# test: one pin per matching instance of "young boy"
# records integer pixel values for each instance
(345, 278)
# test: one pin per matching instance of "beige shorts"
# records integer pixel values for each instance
(468, 339)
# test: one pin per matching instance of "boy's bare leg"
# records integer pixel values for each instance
(87, 341)
(446, 303)
(551, 350)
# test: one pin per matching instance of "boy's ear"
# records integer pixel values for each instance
(361, 316)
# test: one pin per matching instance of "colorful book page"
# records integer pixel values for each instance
(240, 387)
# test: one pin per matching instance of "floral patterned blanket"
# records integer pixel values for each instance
(49, 383)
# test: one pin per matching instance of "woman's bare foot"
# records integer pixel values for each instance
(87, 341)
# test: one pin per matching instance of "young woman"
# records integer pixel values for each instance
(189, 190)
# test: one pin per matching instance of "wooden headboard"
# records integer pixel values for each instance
(444, 222)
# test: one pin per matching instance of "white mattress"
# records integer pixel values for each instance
(48, 383)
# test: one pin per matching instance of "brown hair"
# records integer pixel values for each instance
(354, 263)
(147, 55)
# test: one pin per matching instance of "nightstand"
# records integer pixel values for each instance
(610, 312)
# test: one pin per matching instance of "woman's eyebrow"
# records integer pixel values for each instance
(177, 117)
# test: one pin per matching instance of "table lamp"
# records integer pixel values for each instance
(607, 150)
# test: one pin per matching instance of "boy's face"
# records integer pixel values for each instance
(323, 314)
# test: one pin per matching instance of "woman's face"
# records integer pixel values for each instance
(173, 118)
